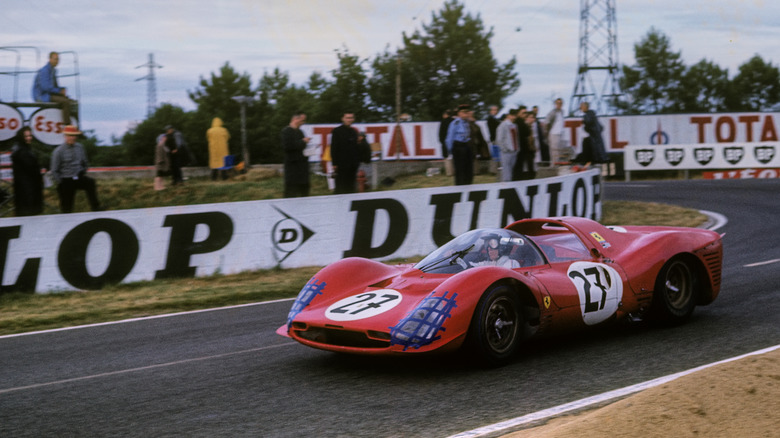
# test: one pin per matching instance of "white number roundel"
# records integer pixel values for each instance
(364, 305)
(600, 290)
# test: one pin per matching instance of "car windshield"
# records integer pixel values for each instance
(483, 247)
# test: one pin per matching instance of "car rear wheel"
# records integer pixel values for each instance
(497, 326)
(675, 292)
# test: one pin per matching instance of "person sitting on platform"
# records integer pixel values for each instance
(46, 89)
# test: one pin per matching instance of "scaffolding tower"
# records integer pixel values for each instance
(151, 85)
(598, 59)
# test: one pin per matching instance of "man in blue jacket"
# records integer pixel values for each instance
(45, 88)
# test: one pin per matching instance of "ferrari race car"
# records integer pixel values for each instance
(490, 289)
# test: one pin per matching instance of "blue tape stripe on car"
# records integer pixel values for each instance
(305, 297)
(421, 326)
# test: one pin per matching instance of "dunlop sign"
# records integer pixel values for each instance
(90, 250)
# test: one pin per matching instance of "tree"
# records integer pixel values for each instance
(382, 84)
(278, 100)
(347, 92)
(703, 88)
(650, 85)
(141, 141)
(316, 87)
(446, 63)
(216, 96)
(756, 87)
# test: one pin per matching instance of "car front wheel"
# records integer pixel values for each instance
(497, 326)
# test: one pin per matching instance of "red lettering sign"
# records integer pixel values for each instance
(377, 132)
(573, 125)
(613, 131)
(701, 121)
(419, 151)
(323, 133)
(398, 137)
(768, 132)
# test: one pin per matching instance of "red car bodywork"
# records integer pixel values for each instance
(589, 274)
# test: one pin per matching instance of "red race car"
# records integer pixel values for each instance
(489, 289)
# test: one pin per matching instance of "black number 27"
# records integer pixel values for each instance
(364, 302)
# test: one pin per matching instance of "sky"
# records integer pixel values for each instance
(111, 41)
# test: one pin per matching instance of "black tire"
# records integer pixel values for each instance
(496, 326)
(675, 293)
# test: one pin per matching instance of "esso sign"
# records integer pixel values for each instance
(46, 124)
(10, 121)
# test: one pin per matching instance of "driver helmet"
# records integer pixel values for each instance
(493, 246)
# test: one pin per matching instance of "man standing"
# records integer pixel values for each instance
(446, 119)
(69, 168)
(45, 88)
(540, 137)
(524, 165)
(506, 139)
(593, 128)
(492, 124)
(345, 153)
(555, 130)
(178, 151)
(296, 164)
(459, 145)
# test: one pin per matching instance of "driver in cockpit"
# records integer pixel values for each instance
(496, 253)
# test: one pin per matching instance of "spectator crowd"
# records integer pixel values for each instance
(518, 141)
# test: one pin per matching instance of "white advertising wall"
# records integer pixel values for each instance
(420, 140)
(89, 250)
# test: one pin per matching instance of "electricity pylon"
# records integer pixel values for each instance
(598, 59)
(151, 85)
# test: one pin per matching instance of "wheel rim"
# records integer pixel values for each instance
(500, 324)
(678, 287)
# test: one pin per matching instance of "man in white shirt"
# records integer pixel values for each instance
(555, 130)
(506, 139)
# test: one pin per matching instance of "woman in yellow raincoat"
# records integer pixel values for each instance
(217, 137)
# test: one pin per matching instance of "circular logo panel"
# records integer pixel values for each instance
(46, 124)
(600, 289)
(10, 121)
(287, 235)
(364, 305)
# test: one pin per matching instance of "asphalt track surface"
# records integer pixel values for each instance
(226, 373)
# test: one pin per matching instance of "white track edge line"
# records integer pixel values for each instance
(545, 414)
(145, 318)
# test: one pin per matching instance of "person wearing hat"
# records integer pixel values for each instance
(69, 169)
(459, 146)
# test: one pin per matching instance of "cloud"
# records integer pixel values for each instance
(193, 38)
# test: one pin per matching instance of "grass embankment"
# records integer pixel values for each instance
(28, 312)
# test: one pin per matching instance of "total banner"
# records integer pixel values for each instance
(420, 140)
(702, 156)
(86, 251)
